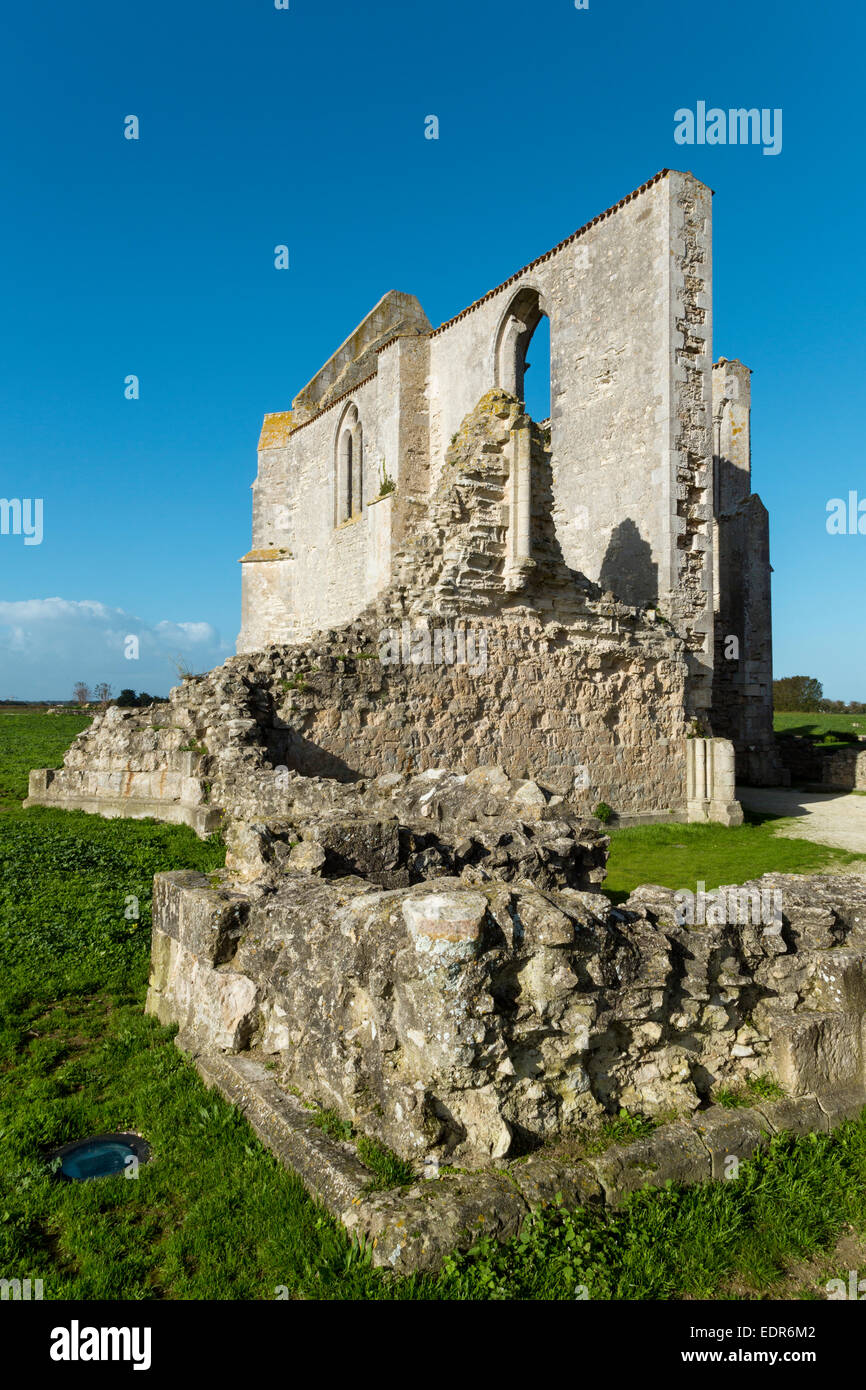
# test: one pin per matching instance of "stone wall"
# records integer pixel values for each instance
(475, 1020)
(589, 718)
(689, 591)
(845, 770)
(742, 709)
(304, 572)
(628, 298)
(817, 767)
(643, 500)
(396, 315)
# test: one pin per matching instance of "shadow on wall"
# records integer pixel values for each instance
(289, 748)
(627, 569)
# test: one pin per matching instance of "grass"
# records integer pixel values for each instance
(734, 1239)
(388, 1169)
(32, 738)
(213, 1215)
(846, 727)
(621, 1129)
(678, 856)
(756, 1088)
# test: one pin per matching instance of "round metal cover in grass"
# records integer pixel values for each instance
(101, 1156)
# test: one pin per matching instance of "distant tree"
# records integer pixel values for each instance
(840, 707)
(81, 692)
(126, 698)
(103, 693)
(799, 693)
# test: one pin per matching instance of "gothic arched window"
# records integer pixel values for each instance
(349, 467)
(516, 330)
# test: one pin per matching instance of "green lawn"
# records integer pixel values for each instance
(677, 856)
(32, 738)
(214, 1215)
(846, 725)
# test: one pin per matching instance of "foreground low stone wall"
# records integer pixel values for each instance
(412, 1228)
(472, 1021)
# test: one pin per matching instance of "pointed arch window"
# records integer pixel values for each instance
(516, 331)
(349, 467)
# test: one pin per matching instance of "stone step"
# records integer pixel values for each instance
(331, 1171)
(164, 796)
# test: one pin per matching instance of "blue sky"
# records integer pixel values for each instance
(306, 127)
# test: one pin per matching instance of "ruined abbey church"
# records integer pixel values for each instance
(409, 928)
(613, 558)
(639, 481)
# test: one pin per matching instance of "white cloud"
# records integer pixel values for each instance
(46, 645)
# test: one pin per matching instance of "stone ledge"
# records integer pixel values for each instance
(802, 1115)
(841, 1104)
(204, 820)
(331, 1171)
(672, 1153)
(731, 1134)
(412, 1229)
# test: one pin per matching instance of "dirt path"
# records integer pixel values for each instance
(828, 818)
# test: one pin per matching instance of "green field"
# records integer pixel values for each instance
(677, 856)
(214, 1215)
(848, 726)
(32, 738)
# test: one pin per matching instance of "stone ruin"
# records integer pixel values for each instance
(476, 1016)
(436, 688)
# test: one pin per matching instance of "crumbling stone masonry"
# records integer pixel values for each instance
(562, 683)
(472, 1019)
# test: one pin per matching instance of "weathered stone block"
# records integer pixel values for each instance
(842, 1103)
(838, 981)
(206, 921)
(801, 1115)
(673, 1153)
(814, 1050)
(541, 1181)
(727, 1134)
(216, 1010)
(415, 1229)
